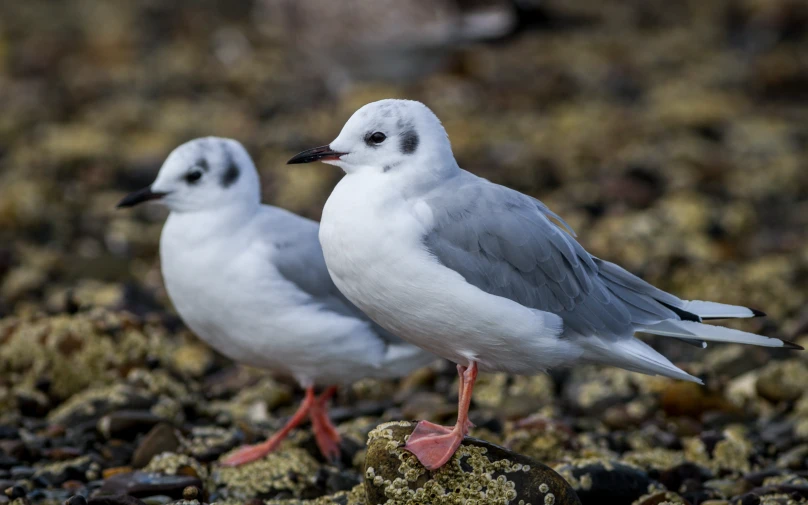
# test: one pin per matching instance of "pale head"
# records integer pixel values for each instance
(203, 174)
(387, 136)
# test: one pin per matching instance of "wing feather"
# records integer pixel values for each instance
(505, 243)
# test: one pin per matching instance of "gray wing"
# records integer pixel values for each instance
(299, 259)
(504, 243)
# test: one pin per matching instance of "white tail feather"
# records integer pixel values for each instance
(698, 331)
(401, 359)
(634, 355)
(713, 310)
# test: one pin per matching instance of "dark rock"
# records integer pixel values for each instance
(604, 481)
(115, 499)
(479, 470)
(127, 424)
(161, 438)
(76, 500)
(75, 469)
(15, 492)
(22, 472)
(142, 484)
(674, 478)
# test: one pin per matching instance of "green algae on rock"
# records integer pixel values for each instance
(479, 473)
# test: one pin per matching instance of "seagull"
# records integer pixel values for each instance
(250, 280)
(481, 274)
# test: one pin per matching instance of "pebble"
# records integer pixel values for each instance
(161, 438)
(141, 484)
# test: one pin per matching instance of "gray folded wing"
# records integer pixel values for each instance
(503, 242)
(298, 257)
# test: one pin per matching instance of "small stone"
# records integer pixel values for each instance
(117, 470)
(76, 500)
(141, 484)
(479, 470)
(127, 424)
(114, 499)
(190, 493)
(15, 492)
(161, 438)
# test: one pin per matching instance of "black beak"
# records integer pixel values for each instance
(139, 196)
(322, 153)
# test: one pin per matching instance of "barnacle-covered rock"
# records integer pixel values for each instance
(289, 471)
(479, 472)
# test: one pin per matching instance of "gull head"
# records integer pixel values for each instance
(203, 174)
(386, 136)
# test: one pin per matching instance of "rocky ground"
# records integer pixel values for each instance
(673, 136)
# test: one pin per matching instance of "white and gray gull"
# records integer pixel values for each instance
(481, 274)
(250, 280)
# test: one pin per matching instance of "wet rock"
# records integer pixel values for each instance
(127, 424)
(479, 470)
(141, 484)
(76, 500)
(161, 438)
(610, 481)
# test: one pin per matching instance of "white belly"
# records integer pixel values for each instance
(241, 306)
(372, 242)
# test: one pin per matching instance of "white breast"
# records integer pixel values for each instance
(230, 294)
(372, 242)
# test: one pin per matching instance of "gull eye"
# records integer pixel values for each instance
(377, 138)
(192, 177)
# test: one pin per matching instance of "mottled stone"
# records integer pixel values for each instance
(479, 472)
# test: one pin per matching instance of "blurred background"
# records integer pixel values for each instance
(672, 136)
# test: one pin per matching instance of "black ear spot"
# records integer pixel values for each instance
(231, 173)
(409, 142)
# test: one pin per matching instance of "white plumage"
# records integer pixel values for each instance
(250, 279)
(479, 273)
